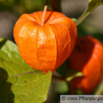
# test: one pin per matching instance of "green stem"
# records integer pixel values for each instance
(83, 16)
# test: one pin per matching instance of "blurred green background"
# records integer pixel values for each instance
(11, 10)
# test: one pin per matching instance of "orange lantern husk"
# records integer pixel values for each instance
(86, 57)
(45, 47)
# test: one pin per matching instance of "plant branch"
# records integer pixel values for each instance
(83, 16)
(46, 2)
(55, 5)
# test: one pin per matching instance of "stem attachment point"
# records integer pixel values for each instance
(44, 14)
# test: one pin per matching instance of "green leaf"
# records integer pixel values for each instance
(19, 83)
(72, 73)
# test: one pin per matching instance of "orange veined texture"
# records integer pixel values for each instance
(45, 47)
(87, 57)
